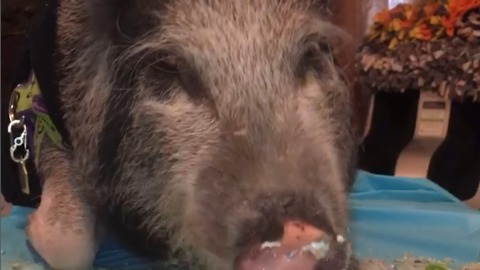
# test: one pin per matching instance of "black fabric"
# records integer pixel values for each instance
(392, 128)
(455, 165)
(11, 188)
(42, 42)
(38, 55)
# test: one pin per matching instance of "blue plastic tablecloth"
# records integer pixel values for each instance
(389, 216)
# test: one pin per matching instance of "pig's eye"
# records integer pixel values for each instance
(315, 53)
(313, 58)
(177, 69)
(167, 63)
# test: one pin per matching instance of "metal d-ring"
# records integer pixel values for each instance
(18, 141)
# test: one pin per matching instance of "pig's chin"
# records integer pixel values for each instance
(275, 258)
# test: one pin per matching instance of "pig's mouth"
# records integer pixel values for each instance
(302, 247)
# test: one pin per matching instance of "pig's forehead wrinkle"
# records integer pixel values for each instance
(215, 25)
(253, 44)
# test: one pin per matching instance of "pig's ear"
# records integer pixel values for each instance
(123, 21)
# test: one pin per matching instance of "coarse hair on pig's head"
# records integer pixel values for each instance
(230, 118)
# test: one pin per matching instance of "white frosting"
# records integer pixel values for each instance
(271, 245)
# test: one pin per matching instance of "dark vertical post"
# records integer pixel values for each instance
(455, 165)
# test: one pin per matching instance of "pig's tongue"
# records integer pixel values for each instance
(299, 249)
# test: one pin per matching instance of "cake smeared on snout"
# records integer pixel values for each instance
(202, 131)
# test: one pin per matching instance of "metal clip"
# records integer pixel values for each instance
(19, 142)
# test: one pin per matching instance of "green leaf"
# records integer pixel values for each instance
(436, 267)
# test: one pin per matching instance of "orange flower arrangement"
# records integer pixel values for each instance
(407, 21)
(424, 47)
(421, 32)
(456, 8)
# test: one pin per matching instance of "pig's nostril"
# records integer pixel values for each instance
(297, 235)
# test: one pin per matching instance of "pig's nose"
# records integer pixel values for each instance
(302, 247)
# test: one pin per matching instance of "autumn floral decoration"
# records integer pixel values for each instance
(433, 47)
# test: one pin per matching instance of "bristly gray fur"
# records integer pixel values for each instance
(201, 124)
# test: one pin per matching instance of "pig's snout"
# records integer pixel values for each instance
(302, 247)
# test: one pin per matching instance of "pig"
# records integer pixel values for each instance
(199, 130)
